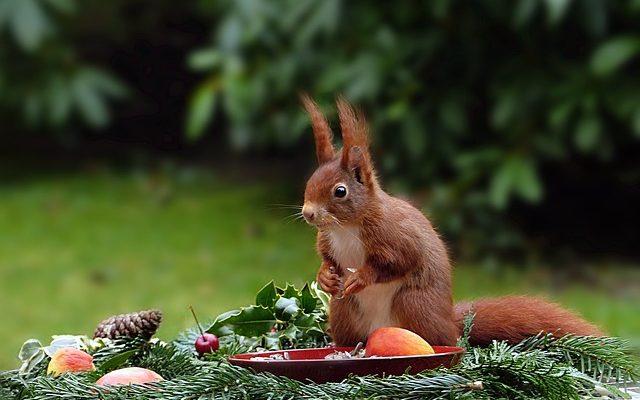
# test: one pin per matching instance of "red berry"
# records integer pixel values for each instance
(207, 343)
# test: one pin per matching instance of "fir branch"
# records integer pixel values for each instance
(500, 371)
(18, 382)
(510, 373)
(229, 382)
(434, 384)
(6, 393)
(541, 367)
(603, 358)
(166, 360)
(116, 347)
(463, 341)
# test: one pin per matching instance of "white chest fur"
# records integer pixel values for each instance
(374, 301)
(347, 248)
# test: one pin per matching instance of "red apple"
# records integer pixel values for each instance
(207, 343)
(127, 376)
(392, 341)
(70, 359)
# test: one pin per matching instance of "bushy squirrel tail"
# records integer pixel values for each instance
(515, 318)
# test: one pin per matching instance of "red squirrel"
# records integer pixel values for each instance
(385, 265)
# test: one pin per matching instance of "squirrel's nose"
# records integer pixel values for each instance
(309, 213)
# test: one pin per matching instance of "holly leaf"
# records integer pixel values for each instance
(306, 321)
(290, 291)
(299, 314)
(307, 300)
(248, 321)
(321, 295)
(266, 297)
(287, 309)
(315, 332)
(292, 333)
(271, 341)
(248, 343)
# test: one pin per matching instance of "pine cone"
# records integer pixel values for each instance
(137, 324)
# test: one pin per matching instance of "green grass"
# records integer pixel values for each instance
(77, 248)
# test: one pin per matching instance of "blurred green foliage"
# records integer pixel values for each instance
(469, 98)
(478, 101)
(41, 77)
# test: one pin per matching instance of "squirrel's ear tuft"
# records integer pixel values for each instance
(355, 150)
(321, 130)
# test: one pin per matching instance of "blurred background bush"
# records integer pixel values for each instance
(146, 145)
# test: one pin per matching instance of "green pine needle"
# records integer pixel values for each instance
(467, 321)
(541, 367)
(603, 358)
(536, 368)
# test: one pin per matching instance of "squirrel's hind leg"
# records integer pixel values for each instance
(435, 321)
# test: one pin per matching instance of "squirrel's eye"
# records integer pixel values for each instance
(340, 191)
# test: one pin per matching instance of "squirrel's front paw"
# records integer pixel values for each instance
(357, 281)
(329, 281)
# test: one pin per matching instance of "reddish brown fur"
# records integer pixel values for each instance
(321, 130)
(400, 245)
(515, 318)
(355, 140)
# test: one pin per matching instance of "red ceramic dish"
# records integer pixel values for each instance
(310, 364)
